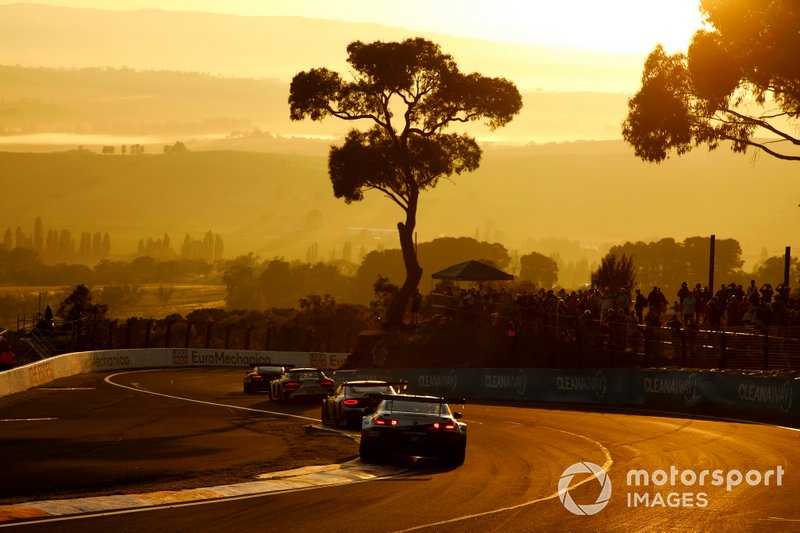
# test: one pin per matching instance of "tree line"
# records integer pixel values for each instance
(252, 283)
(56, 245)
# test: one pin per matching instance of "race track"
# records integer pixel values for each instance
(515, 458)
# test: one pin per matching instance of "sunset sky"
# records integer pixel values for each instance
(611, 25)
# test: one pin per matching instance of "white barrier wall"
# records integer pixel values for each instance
(39, 373)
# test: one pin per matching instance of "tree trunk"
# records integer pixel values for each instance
(394, 318)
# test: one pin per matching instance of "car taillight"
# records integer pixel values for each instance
(326, 383)
(446, 426)
(350, 402)
(292, 384)
(257, 377)
(380, 421)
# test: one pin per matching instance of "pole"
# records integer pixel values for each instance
(712, 244)
(786, 263)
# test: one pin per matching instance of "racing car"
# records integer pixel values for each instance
(413, 425)
(258, 377)
(297, 383)
(354, 399)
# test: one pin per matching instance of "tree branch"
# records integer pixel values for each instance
(396, 198)
(764, 124)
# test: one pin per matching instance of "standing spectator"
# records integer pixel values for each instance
(715, 310)
(634, 334)
(753, 295)
(732, 311)
(689, 307)
(513, 335)
(699, 303)
(640, 302)
(683, 292)
(8, 359)
(675, 326)
(766, 293)
(606, 303)
(783, 293)
(624, 301)
(657, 303)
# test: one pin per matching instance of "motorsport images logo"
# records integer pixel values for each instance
(590, 508)
(682, 488)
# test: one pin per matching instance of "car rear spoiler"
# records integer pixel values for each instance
(414, 398)
(401, 383)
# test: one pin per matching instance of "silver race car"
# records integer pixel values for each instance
(354, 399)
(411, 425)
(297, 383)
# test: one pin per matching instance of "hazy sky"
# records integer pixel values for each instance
(607, 25)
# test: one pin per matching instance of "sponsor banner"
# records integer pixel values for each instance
(41, 372)
(506, 384)
(679, 390)
(545, 385)
(675, 389)
(764, 394)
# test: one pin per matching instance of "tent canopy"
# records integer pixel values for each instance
(472, 271)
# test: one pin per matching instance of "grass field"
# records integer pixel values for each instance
(183, 299)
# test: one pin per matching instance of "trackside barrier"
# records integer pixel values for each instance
(678, 390)
(41, 372)
(675, 390)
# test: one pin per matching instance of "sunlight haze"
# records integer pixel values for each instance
(86, 87)
(633, 26)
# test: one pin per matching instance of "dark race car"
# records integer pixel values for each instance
(257, 379)
(354, 399)
(301, 383)
(410, 425)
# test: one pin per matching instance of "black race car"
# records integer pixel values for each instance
(354, 399)
(297, 383)
(411, 425)
(257, 378)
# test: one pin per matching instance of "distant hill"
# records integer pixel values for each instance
(594, 193)
(273, 47)
(165, 106)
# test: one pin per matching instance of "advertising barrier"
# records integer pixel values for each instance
(683, 391)
(680, 390)
(41, 372)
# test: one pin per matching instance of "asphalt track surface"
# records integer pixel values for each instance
(515, 459)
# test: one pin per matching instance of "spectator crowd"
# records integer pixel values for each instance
(731, 306)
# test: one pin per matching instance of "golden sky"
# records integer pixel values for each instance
(602, 25)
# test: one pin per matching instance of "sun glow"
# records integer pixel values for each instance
(628, 26)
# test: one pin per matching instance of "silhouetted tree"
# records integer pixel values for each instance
(771, 270)
(739, 81)
(78, 305)
(164, 294)
(403, 154)
(615, 274)
(538, 268)
(385, 293)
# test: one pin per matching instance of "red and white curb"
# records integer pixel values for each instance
(289, 480)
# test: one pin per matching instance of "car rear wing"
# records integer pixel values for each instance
(398, 385)
(415, 398)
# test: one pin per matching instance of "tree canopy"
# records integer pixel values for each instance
(410, 92)
(738, 82)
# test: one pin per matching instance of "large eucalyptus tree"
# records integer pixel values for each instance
(410, 92)
(739, 82)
